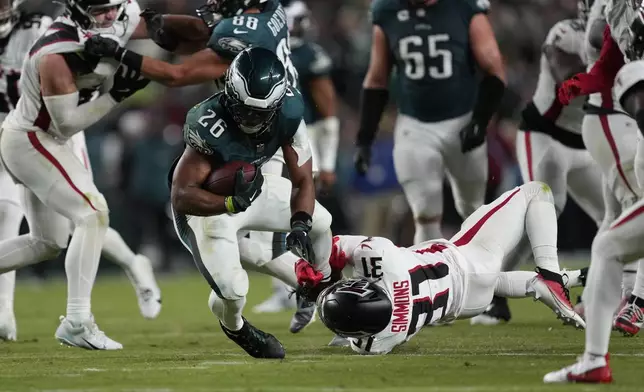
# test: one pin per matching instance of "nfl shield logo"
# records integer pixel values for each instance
(260, 147)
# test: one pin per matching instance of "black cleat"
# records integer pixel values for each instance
(303, 315)
(498, 311)
(257, 343)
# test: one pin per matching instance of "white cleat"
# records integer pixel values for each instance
(553, 295)
(8, 329)
(148, 293)
(484, 319)
(84, 335)
(339, 341)
(278, 302)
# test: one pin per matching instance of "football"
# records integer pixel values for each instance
(221, 181)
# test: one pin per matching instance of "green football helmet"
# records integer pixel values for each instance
(255, 88)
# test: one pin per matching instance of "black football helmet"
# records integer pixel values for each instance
(214, 10)
(9, 16)
(354, 308)
(82, 11)
(255, 88)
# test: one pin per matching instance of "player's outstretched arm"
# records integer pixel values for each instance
(375, 94)
(324, 97)
(183, 34)
(187, 196)
(61, 97)
(203, 66)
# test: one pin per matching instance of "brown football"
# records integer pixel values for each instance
(221, 181)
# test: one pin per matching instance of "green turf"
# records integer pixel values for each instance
(184, 350)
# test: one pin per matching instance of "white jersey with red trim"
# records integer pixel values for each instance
(568, 36)
(425, 284)
(13, 51)
(65, 37)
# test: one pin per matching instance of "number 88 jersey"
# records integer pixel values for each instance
(421, 285)
(430, 48)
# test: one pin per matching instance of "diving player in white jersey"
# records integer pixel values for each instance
(22, 30)
(58, 86)
(396, 291)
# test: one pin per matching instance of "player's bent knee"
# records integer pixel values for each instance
(537, 190)
(96, 216)
(321, 220)
(233, 284)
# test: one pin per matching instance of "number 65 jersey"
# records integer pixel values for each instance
(424, 284)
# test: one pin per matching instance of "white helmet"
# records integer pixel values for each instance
(82, 11)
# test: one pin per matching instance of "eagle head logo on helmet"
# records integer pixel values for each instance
(255, 89)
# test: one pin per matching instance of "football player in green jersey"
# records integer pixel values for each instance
(255, 115)
(437, 48)
(235, 24)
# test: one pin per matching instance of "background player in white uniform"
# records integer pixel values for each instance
(440, 280)
(57, 90)
(26, 29)
(622, 242)
(549, 145)
(611, 138)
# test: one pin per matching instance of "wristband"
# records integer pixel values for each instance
(230, 206)
(301, 220)
(132, 59)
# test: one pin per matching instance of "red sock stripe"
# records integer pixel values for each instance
(467, 237)
(33, 138)
(603, 119)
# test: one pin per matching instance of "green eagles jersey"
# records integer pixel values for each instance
(436, 76)
(267, 30)
(211, 131)
(311, 62)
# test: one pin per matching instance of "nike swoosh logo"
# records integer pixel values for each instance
(237, 31)
(90, 344)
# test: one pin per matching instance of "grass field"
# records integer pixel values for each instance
(185, 350)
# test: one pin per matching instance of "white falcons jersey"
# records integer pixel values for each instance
(66, 38)
(13, 51)
(568, 36)
(424, 284)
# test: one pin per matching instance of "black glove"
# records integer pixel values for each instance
(298, 240)
(472, 136)
(154, 22)
(127, 81)
(245, 192)
(98, 46)
(362, 159)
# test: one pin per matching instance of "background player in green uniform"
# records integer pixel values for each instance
(235, 24)
(437, 47)
(313, 66)
(255, 116)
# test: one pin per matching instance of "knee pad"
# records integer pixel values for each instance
(233, 284)
(537, 190)
(321, 220)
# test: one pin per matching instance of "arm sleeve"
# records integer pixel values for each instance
(69, 118)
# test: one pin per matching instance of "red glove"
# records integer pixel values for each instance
(306, 274)
(338, 259)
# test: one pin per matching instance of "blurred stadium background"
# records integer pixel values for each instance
(131, 150)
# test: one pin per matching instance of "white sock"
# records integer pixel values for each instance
(427, 231)
(283, 268)
(513, 284)
(81, 265)
(541, 226)
(116, 250)
(638, 289)
(601, 298)
(229, 312)
(10, 219)
(572, 278)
